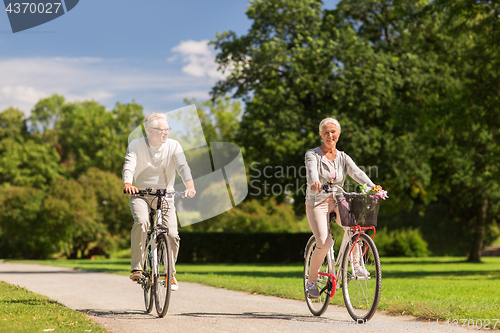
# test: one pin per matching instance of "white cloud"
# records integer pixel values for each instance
(191, 47)
(24, 81)
(200, 59)
(20, 94)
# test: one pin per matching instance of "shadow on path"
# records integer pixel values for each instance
(259, 315)
(119, 314)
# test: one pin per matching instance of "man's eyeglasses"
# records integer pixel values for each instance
(166, 130)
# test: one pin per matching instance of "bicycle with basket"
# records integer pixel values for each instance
(358, 212)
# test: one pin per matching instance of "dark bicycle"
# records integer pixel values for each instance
(157, 270)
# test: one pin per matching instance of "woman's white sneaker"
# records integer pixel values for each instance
(312, 289)
(361, 272)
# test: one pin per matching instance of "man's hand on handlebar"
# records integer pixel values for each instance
(130, 189)
(189, 192)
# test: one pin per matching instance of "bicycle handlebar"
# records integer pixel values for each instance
(327, 187)
(159, 192)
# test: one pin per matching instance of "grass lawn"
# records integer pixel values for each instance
(429, 288)
(24, 311)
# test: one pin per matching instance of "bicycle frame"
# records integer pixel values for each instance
(332, 263)
(152, 242)
(155, 219)
(356, 270)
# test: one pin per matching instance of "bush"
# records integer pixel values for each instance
(254, 216)
(225, 247)
(401, 243)
(230, 247)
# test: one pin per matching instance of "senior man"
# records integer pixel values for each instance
(152, 162)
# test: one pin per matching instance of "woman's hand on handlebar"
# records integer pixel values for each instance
(316, 186)
(130, 189)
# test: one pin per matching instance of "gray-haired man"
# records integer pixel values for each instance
(152, 162)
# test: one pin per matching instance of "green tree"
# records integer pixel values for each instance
(219, 119)
(12, 124)
(21, 233)
(299, 64)
(85, 133)
(112, 206)
(24, 160)
(414, 84)
(70, 212)
(471, 121)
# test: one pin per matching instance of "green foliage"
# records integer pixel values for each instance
(253, 216)
(401, 243)
(75, 206)
(212, 247)
(413, 83)
(39, 224)
(85, 133)
(11, 124)
(21, 233)
(24, 160)
(71, 219)
(112, 206)
(219, 119)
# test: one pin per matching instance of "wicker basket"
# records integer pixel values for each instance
(357, 209)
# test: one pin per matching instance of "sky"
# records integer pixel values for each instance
(153, 52)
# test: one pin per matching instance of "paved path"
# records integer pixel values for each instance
(117, 304)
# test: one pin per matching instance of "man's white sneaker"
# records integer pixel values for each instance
(136, 276)
(174, 286)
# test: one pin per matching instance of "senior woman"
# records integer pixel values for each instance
(323, 164)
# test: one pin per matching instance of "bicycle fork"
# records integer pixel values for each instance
(157, 220)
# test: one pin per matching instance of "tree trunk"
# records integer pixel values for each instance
(477, 244)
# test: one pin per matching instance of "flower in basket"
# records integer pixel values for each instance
(376, 192)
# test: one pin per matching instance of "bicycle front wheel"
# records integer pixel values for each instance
(163, 279)
(361, 291)
(317, 306)
(147, 285)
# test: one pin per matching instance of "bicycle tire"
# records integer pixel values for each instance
(317, 306)
(362, 295)
(147, 285)
(163, 280)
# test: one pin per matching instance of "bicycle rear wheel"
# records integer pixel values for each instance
(317, 306)
(362, 294)
(147, 286)
(163, 279)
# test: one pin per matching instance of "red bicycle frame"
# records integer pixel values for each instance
(332, 276)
